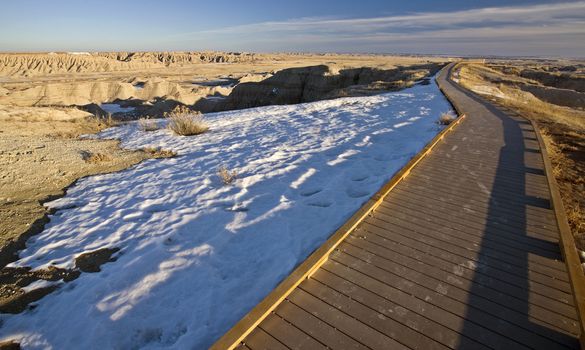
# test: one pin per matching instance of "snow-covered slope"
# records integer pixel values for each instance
(196, 255)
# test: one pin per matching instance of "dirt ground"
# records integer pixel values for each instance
(563, 127)
(41, 155)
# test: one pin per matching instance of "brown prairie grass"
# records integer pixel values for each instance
(146, 124)
(95, 158)
(159, 153)
(226, 176)
(446, 119)
(107, 121)
(110, 121)
(184, 122)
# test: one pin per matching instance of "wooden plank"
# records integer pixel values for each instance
(288, 334)
(478, 164)
(525, 260)
(540, 307)
(517, 186)
(537, 281)
(260, 340)
(394, 309)
(474, 218)
(503, 282)
(481, 158)
(346, 324)
(467, 207)
(479, 167)
(441, 174)
(492, 147)
(396, 292)
(486, 193)
(511, 334)
(483, 193)
(323, 332)
(452, 289)
(477, 201)
(472, 228)
(374, 319)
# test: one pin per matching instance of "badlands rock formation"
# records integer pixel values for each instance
(153, 82)
(29, 65)
(296, 85)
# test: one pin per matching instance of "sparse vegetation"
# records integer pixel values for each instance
(147, 124)
(185, 122)
(446, 119)
(159, 153)
(95, 158)
(108, 121)
(226, 176)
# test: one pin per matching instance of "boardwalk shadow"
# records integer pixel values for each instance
(529, 316)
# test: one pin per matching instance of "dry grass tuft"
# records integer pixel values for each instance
(185, 122)
(226, 176)
(108, 121)
(159, 153)
(446, 119)
(146, 124)
(95, 158)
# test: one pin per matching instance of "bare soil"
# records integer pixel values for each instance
(41, 156)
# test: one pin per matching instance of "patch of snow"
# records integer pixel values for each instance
(227, 82)
(195, 255)
(115, 108)
(488, 90)
(40, 284)
(216, 98)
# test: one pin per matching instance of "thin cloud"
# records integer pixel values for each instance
(528, 14)
(560, 22)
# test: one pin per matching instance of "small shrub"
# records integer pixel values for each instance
(226, 176)
(108, 120)
(146, 124)
(446, 119)
(159, 153)
(186, 123)
(95, 158)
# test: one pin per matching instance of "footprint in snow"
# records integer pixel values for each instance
(356, 192)
(309, 193)
(359, 177)
(320, 204)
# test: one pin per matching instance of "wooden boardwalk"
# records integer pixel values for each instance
(461, 254)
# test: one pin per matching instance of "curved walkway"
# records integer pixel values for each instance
(462, 254)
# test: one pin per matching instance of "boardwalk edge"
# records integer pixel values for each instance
(240, 330)
(567, 242)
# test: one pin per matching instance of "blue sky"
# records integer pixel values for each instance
(380, 26)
